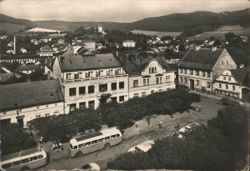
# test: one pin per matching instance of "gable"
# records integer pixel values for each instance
(153, 64)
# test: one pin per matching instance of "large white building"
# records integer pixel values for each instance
(22, 102)
(201, 66)
(87, 80)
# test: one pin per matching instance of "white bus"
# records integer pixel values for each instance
(25, 160)
(95, 141)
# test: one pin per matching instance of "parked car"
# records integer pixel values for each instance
(142, 147)
(187, 128)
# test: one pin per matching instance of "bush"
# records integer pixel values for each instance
(202, 149)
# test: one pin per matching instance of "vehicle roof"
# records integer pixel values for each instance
(94, 136)
(13, 156)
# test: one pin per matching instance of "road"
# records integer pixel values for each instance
(134, 135)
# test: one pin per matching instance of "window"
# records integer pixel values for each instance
(226, 86)
(72, 107)
(135, 83)
(229, 78)
(33, 158)
(197, 73)
(158, 80)
(185, 79)
(98, 73)
(107, 138)
(224, 78)
(81, 90)
(168, 78)
(72, 91)
(233, 87)
(82, 105)
(145, 81)
(181, 79)
(121, 98)
(191, 72)
(25, 161)
(103, 87)
(113, 86)
(87, 74)
(121, 85)
(185, 71)
(208, 84)
(114, 99)
(152, 70)
(76, 76)
(220, 85)
(136, 95)
(91, 89)
(208, 74)
(40, 156)
(110, 72)
(203, 74)
(197, 82)
(92, 104)
(118, 72)
(68, 75)
(181, 71)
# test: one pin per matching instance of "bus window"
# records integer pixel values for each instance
(89, 143)
(107, 138)
(6, 166)
(117, 135)
(81, 145)
(94, 142)
(16, 163)
(101, 140)
(40, 156)
(33, 158)
(25, 161)
(113, 136)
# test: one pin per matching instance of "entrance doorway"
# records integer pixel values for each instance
(191, 84)
(245, 95)
(20, 120)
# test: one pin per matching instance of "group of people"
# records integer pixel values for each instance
(57, 146)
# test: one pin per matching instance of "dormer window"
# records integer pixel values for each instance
(152, 70)
(98, 73)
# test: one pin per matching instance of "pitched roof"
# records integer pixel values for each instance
(29, 94)
(71, 62)
(241, 74)
(135, 65)
(204, 58)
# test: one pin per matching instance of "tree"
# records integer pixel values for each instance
(15, 139)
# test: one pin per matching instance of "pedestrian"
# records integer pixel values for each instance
(160, 124)
(61, 146)
(148, 120)
(136, 124)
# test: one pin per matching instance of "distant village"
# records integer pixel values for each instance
(45, 72)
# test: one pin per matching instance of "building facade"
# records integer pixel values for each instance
(87, 81)
(152, 78)
(201, 66)
(233, 83)
(31, 100)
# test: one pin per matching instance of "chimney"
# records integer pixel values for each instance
(214, 48)
(14, 44)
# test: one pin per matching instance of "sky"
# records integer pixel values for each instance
(111, 10)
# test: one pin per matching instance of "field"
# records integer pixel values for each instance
(220, 32)
(156, 33)
(11, 28)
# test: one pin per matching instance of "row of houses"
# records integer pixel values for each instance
(83, 82)
(86, 81)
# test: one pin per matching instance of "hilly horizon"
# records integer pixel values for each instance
(190, 23)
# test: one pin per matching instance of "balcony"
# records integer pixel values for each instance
(93, 78)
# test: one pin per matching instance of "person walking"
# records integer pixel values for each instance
(148, 120)
(160, 124)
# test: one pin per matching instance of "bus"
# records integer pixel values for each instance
(94, 141)
(25, 160)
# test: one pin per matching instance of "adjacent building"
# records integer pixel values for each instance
(201, 66)
(148, 75)
(234, 83)
(89, 80)
(22, 102)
